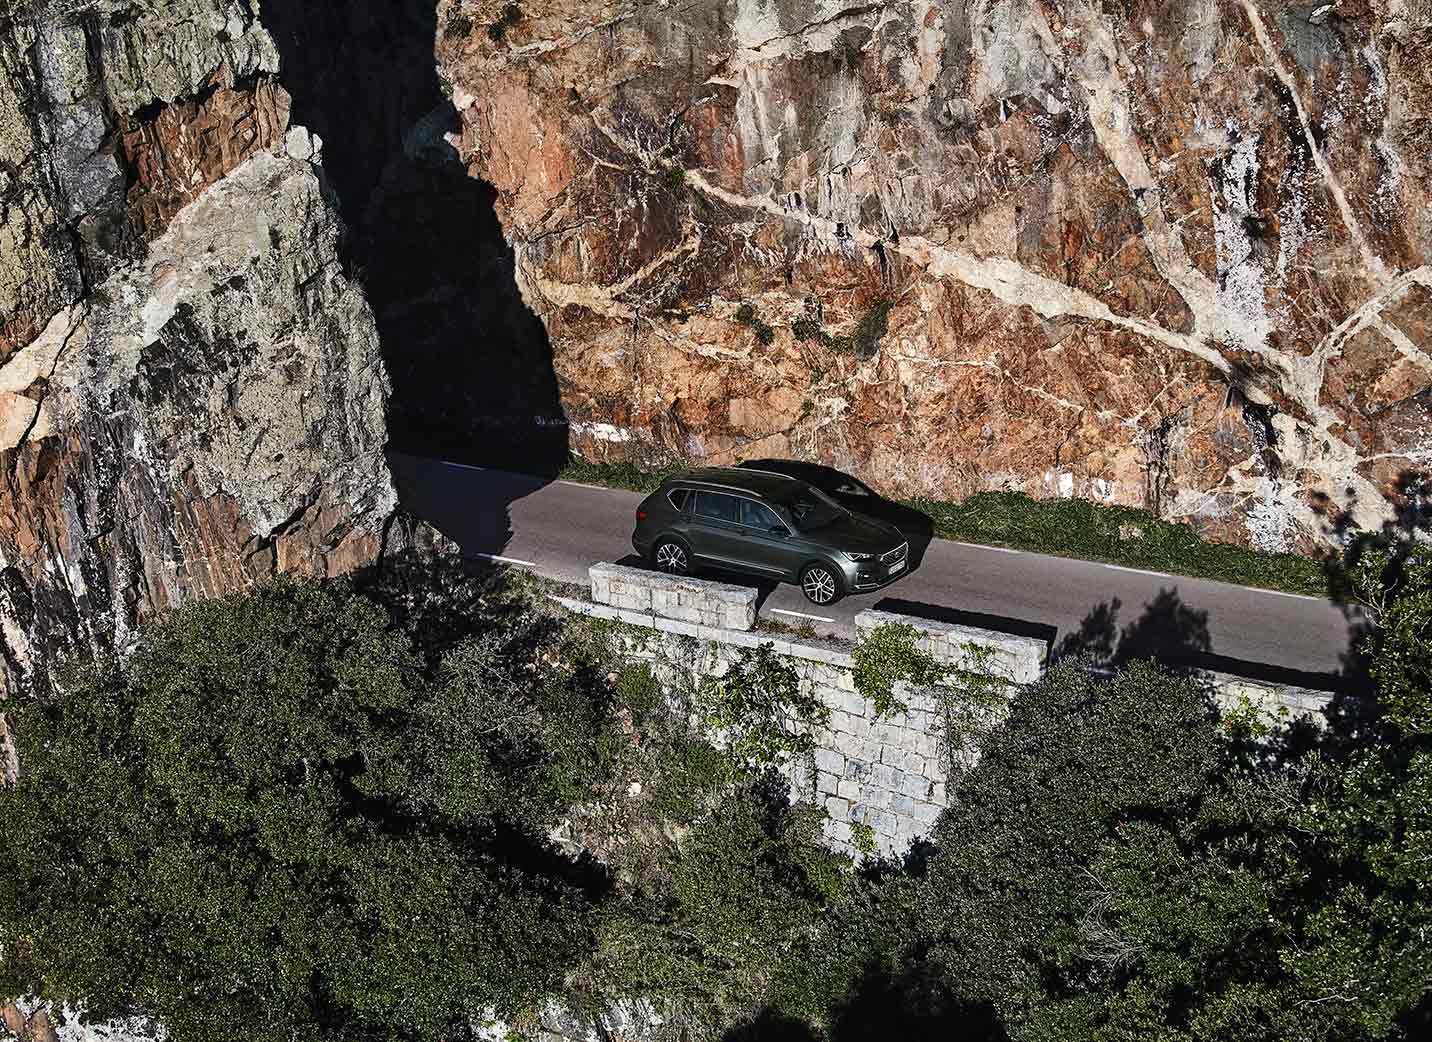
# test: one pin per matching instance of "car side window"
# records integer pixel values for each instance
(679, 497)
(758, 515)
(717, 505)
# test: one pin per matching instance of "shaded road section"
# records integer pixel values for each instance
(559, 528)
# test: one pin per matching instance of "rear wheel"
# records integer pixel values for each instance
(670, 556)
(820, 584)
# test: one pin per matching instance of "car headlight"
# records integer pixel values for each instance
(858, 557)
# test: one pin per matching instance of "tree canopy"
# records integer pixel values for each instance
(324, 809)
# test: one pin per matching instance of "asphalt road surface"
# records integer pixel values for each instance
(559, 528)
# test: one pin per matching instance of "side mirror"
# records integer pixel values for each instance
(778, 530)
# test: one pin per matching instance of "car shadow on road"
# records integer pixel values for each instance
(978, 619)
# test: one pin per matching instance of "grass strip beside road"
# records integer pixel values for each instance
(1074, 528)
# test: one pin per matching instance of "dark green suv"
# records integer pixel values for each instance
(770, 525)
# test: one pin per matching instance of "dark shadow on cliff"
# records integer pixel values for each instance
(470, 365)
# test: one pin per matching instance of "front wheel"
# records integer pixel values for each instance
(671, 557)
(820, 584)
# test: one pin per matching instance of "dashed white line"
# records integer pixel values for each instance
(981, 546)
(460, 466)
(802, 615)
(507, 560)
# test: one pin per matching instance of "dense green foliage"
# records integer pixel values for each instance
(1363, 954)
(1122, 865)
(326, 809)
(1061, 527)
(284, 815)
(765, 716)
(322, 811)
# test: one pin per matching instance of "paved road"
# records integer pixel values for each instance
(559, 528)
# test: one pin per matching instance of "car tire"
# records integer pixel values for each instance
(821, 584)
(671, 556)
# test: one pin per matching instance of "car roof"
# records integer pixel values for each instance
(763, 484)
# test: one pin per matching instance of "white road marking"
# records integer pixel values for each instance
(802, 615)
(583, 484)
(1138, 571)
(460, 466)
(1281, 593)
(507, 560)
(981, 546)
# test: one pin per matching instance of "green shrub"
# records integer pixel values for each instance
(692, 774)
(1105, 874)
(625, 474)
(805, 329)
(747, 315)
(749, 884)
(281, 816)
(873, 326)
(639, 690)
(763, 711)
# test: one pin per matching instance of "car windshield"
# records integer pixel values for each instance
(813, 509)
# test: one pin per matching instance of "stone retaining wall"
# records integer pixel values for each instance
(889, 774)
(1018, 659)
(696, 601)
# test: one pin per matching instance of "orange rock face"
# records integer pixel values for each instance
(1169, 255)
(189, 145)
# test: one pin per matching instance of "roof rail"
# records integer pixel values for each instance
(768, 473)
(738, 490)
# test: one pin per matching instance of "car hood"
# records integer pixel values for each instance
(860, 534)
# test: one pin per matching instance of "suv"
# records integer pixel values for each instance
(770, 525)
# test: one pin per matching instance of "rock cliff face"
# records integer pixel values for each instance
(1171, 253)
(1164, 252)
(191, 388)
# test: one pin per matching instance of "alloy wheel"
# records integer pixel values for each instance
(670, 557)
(818, 585)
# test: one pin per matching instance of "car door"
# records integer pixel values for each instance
(715, 528)
(768, 539)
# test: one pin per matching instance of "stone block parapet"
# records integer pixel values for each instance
(1019, 660)
(696, 601)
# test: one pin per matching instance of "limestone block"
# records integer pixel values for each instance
(926, 813)
(914, 785)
